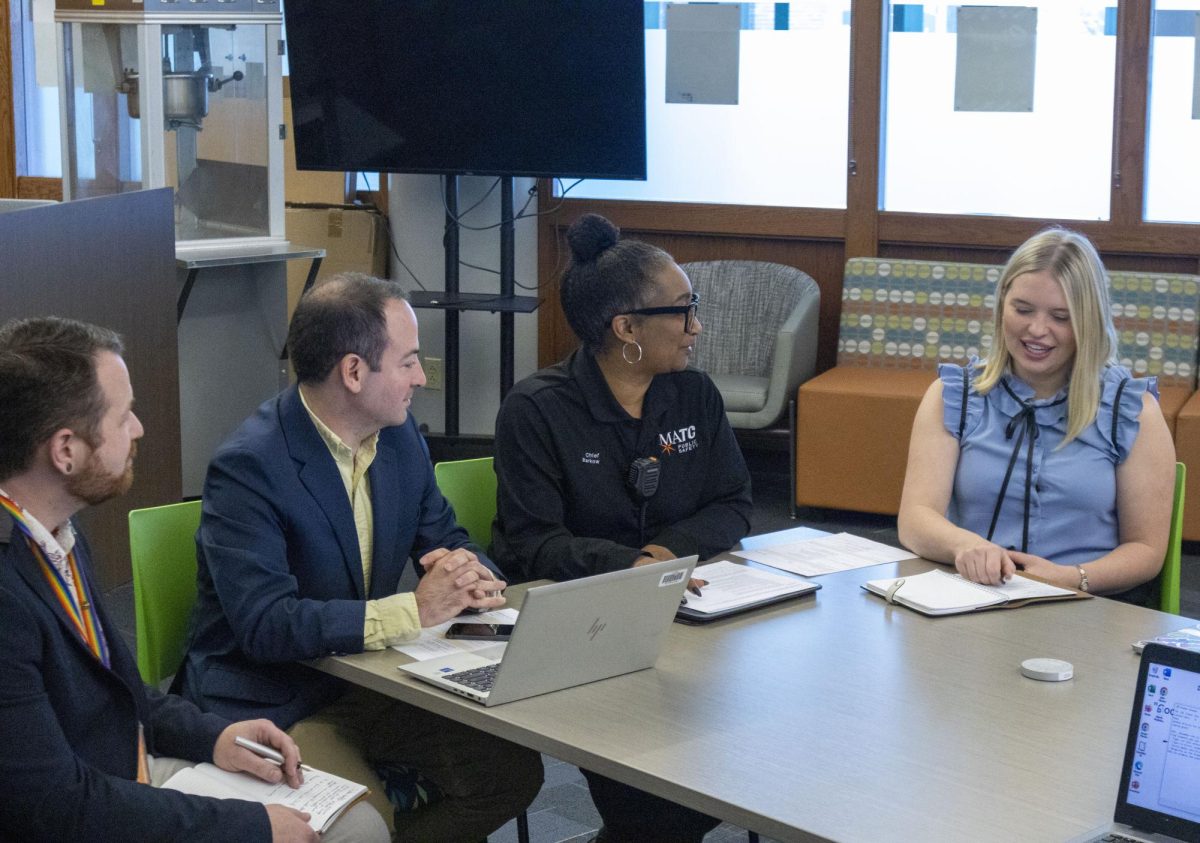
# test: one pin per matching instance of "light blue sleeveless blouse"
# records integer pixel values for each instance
(1072, 491)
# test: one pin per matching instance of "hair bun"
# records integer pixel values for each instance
(590, 235)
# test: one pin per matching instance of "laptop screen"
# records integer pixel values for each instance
(1160, 782)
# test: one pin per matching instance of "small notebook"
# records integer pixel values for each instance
(734, 588)
(323, 796)
(1187, 638)
(939, 592)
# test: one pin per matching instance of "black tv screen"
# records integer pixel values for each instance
(490, 87)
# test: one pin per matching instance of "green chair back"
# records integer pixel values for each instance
(470, 486)
(1168, 577)
(162, 546)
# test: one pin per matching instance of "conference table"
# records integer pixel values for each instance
(839, 717)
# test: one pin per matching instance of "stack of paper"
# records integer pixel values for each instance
(732, 587)
(825, 555)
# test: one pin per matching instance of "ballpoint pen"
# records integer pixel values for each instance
(266, 752)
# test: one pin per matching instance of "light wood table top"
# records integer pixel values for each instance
(839, 717)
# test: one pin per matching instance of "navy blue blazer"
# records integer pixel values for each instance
(280, 575)
(68, 757)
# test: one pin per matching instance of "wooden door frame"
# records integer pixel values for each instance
(12, 184)
(8, 135)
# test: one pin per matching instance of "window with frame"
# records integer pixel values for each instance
(780, 140)
(1173, 118)
(1004, 109)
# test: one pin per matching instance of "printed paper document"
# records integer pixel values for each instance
(826, 555)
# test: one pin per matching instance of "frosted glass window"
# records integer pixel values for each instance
(782, 144)
(1173, 138)
(35, 89)
(1054, 161)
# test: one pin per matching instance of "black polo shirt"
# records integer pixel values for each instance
(563, 451)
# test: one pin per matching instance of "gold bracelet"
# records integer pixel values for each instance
(1083, 578)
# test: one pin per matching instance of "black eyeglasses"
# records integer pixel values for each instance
(688, 310)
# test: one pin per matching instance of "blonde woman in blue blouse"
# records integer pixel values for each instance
(1046, 457)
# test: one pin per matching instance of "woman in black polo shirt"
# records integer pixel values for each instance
(619, 455)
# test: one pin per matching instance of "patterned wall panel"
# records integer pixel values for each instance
(1156, 319)
(911, 314)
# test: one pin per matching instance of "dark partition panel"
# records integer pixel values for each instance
(109, 260)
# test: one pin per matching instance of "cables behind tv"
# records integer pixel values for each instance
(457, 220)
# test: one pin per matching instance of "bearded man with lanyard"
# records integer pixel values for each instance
(85, 742)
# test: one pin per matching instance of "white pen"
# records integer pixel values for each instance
(272, 755)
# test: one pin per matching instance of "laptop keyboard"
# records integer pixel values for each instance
(477, 679)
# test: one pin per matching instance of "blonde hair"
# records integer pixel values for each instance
(1073, 262)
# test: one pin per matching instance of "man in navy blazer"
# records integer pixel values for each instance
(312, 509)
(83, 738)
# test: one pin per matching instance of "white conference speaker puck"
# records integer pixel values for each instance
(1047, 670)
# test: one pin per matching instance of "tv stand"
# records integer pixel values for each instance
(454, 302)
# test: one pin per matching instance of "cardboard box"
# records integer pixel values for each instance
(354, 237)
(309, 186)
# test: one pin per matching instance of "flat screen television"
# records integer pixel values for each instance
(490, 87)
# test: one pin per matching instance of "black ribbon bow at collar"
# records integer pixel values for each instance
(1024, 425)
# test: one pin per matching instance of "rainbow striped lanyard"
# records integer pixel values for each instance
(78, 610)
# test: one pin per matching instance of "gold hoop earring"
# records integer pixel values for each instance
(625, 357)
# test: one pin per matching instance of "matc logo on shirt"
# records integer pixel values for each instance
(678, 441)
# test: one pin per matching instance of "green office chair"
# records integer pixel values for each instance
(162, 546)
(470, 486)
(1168, 577)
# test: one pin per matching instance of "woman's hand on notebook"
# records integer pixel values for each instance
(1066, 576)
(985, 563)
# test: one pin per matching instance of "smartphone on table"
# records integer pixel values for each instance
(480, 631)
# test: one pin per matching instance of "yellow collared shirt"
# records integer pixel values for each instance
(392, 619)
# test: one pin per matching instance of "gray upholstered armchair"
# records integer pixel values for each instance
(759, 341)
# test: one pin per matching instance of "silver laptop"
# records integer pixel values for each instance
(570, 633)
(1159, 797)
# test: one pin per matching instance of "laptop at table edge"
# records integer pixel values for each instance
(1132, 821)
(574, 632)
